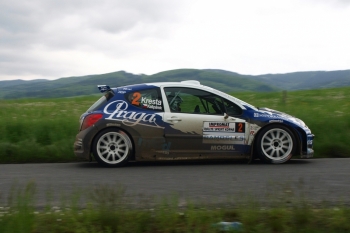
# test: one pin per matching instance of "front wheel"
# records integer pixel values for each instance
(276, 144)
(112, 148)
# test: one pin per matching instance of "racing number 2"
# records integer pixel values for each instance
(136, 96)
(240, 127)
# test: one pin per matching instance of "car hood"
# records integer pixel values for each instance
(274, 114)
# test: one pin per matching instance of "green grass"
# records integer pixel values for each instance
(108, 209)
(40, 130)
(43, 130)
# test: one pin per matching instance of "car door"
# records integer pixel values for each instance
(197, 126)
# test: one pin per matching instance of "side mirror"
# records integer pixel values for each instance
(225, 116)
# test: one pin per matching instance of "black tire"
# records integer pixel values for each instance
(112, 148)
(275, 144)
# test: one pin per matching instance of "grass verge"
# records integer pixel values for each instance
(43, 130)
(106, 209)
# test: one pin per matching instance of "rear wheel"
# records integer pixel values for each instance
(112, 147)
(276, 144)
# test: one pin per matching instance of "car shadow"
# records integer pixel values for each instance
(94, 164)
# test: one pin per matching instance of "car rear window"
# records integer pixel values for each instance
(101, 102)
(149, 99)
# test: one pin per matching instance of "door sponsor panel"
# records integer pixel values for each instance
(228, 127)
(223, 132)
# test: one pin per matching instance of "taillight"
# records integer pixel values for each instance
(90, 120)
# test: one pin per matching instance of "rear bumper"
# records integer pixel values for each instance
(82, 144)
(79, 149)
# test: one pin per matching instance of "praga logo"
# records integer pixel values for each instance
(129, 118)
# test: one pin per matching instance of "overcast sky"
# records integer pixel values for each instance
(61, 38)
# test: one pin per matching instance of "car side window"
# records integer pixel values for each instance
(189, 100)
(149, 99)
(232, 109)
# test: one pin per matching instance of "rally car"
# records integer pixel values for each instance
(185, 121)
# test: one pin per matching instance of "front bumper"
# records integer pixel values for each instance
(309, 153)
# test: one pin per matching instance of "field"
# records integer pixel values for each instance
(43, 130)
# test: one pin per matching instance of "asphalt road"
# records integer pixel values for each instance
(317, 181)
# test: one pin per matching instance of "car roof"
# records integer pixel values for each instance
(193, 83)
(196, 84)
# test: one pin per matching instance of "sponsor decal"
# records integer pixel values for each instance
(222, 147)
(151, 103)
(144, 102)
(121, 92)
(219, 124)
(129, 118)
(276, 121)
(127, 89)
(309, 142)
(254, 127)
(256, 114)
(227, 127)
(113, 124)
(253, 130)
(223, 137)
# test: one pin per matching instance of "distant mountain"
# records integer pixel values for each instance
(307, 80)
(86, 85)
(219, 79)
(301, 80)
(19, 81)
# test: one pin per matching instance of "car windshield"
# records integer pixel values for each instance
(234, 99)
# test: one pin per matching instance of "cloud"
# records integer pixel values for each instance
(330, 3)
(32, 28)
(43, 17)
(53, 39)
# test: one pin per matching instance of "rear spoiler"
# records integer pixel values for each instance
(103, 88)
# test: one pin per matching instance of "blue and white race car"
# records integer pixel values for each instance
(186, 121)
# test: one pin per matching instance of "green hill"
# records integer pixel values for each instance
(219, 79)
(86, 85)
(307, 80)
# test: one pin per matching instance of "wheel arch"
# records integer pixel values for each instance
(133, 149)
(293, 130)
